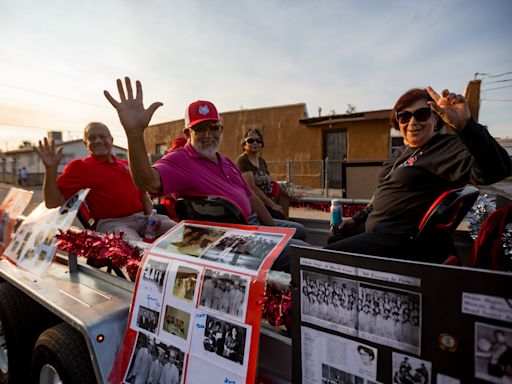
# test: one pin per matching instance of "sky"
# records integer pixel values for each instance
(57, 57)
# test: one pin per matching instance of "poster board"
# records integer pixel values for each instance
(11, 207)
(375, 320)
(196, 309)
(34, 245)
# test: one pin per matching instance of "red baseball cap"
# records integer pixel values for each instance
(198, 111)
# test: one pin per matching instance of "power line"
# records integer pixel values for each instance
(488, 75)
(7, 124)
(54, 96)
(492, 89)
(496, 100)
(498, 81)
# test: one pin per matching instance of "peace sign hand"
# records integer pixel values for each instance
(132, 114)
(452, 108)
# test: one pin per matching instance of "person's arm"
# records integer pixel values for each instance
(134, 119)
(147, 204)
(249, 179)
(259, 209)
(51, 158)
(491, 162)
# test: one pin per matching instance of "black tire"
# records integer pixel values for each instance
(22, 320)
(63, 347)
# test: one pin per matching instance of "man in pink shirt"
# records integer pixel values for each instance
(196, 169)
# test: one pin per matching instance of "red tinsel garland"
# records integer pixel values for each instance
(111, 249)
(277, 306)
(349, 209)
(108, 248)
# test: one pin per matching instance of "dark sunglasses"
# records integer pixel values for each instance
(422, 114)
(252, 141)
(203, 127)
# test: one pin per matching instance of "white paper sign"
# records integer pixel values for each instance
(492, 307)
(390, 277)
(340, 268)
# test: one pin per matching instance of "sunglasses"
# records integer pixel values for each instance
(421, 115)
(252, 141)
(203, 127)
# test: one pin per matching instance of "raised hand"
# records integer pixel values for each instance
(48, 153)
(132, 114)
(452, 108)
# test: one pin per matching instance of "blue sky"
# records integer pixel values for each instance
(58, 56)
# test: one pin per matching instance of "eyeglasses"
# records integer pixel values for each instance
(252, 141)
(421, 115)
(207, 126)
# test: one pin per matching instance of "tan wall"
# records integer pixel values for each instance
(368, 141)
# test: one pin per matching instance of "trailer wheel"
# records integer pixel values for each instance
(61, 356)
(21, 321)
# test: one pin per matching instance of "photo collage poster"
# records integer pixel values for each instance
(194, 316)
(11, 207)
(371, 311)
(34, 245)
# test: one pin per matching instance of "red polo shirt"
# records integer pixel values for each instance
(112, 194)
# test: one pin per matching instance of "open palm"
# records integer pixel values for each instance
(132, 114)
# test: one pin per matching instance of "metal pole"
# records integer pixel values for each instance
(326, 177)
(289, 171)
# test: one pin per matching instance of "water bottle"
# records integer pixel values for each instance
(150, 234)
(336, 215)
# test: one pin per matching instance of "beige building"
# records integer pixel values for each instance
(296, 145)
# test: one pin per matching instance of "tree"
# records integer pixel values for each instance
(26, 144)
(351, 108)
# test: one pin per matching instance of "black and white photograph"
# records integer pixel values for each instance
(185, 283)
(192, 240)
(390, 317)
(493, 353)
(154, 272)
(225, 339)
(344, 354)
(224, 292)
(154, 362)
(147, 319)
(176, 322)
(410, 370)
(332, 375)
(329, 299)
(243, 250)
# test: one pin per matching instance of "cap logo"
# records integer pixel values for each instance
(203, 110)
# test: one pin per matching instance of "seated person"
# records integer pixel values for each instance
(195, 169)
(430, 164)
(114, 201)
(255, 173)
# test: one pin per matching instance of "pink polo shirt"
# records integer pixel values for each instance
(185, 172)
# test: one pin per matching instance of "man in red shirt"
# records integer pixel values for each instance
(113, 200)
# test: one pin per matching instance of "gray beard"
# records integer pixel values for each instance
(209, 153)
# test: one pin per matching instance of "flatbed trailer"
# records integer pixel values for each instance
(73, 298)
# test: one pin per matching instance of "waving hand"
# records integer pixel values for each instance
(132, 114)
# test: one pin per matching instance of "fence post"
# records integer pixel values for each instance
(289, 170)
(326, 180)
